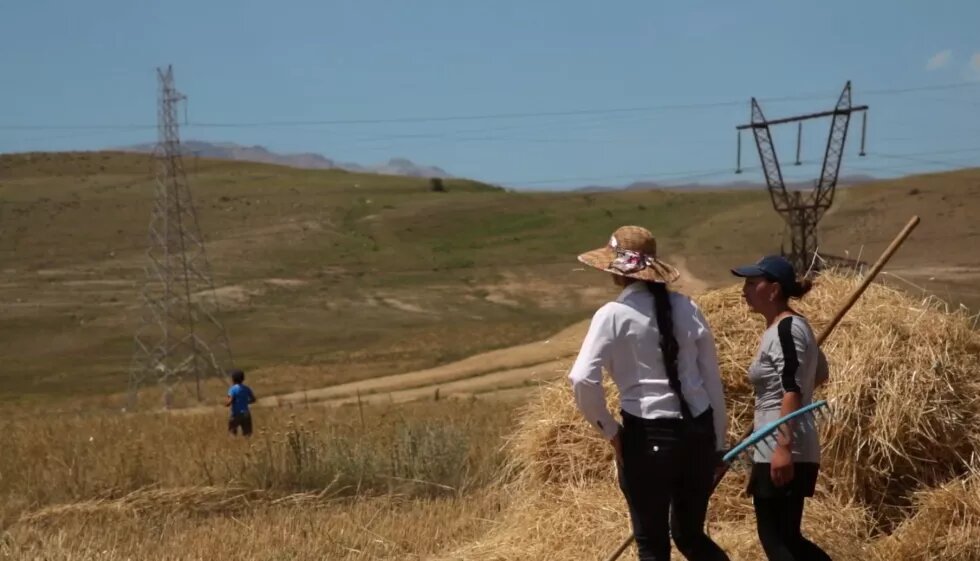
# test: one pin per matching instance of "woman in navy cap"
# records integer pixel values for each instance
(787, 367)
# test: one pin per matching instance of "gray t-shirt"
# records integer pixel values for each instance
(788, 359)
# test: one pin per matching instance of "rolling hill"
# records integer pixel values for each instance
(330, 276)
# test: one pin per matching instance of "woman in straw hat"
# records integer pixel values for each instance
(787, 367)
(660, 352)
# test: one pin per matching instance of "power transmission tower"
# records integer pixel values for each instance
(802, 211)
(180, 338)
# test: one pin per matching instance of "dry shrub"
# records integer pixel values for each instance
(946, 525)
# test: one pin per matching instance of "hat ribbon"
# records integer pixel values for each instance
(628, 261)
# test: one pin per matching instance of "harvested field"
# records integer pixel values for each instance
(900, 477)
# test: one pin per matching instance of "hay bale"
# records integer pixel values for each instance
(589, 521)
(946, 525)
(904, 376)
(553, 522)
(554, 446)
(841, 529)
(904, 381)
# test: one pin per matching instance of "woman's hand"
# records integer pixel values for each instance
(720, 466)
(781, 468)
(617, 444)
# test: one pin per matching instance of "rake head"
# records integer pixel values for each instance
(805, 418)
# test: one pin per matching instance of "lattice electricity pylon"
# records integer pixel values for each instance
(803, 211)
(180, 337)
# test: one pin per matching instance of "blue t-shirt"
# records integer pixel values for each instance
(240, 395)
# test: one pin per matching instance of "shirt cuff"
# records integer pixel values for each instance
(608, 427)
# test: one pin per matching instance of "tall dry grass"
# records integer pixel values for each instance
(295, 528)
(147, 474)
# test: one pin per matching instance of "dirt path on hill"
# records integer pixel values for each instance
(506, 372)
(475, 370)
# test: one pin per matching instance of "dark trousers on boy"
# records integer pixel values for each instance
(243, 420)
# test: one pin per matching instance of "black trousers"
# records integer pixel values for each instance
(666, 476)
(779, 513)
(243, 420)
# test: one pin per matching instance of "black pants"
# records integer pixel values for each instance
(666, 477)
(243, 420)
(779, 513)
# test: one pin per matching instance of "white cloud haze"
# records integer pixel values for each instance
(939, 60)
(973, 69)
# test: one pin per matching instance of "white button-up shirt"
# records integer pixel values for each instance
(624, 339)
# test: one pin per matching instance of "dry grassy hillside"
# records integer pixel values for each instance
(940, 257)
(326, 276)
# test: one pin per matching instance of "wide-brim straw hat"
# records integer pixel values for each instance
(631, 252)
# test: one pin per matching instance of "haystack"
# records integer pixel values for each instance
(589, 521)
(905, 374)
(946, 525)
(904, 379)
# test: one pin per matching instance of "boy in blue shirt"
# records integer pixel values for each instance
(239, 398)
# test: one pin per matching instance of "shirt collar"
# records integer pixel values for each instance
(638, 286)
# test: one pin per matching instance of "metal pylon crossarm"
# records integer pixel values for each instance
(770, 163)
(803, 211)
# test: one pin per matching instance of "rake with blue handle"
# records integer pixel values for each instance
(767, 432)
(759, 435)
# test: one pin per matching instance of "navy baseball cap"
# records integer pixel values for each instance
(773, 267)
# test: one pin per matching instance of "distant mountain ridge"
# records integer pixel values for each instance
(306, 160)
(843, 181)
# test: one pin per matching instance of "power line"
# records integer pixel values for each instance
(914, 159)
(693, 174)
(676, 176)
(929, 153)
(490, 116)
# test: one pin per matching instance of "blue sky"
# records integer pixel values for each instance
(596, 85)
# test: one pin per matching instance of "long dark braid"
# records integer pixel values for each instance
(668, 341)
